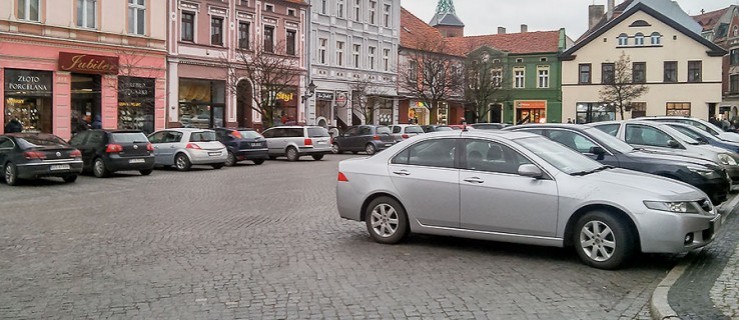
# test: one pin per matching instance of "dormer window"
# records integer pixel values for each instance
(623, 40)
(639, 39)
(656, 39)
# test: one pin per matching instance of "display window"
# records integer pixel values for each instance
(28, 101)
(202, 103)
(136, 103)
(86, 102)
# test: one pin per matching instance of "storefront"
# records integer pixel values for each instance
(418, 113)
(324, 108)
(28, 99)
(531, 111)
(136, 103)
(285, 111)
(202, 103)
(588, 112)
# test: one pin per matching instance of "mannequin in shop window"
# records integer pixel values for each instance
(13, 126)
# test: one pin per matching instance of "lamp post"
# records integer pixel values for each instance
(310, 90)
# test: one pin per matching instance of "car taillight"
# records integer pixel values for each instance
(405, 136)
(75, 154)
(149, 147)
(342, 177)
(193, 146)
(34, 155)
(376, 137)
(114, 148)
(236, 134)
(308, 142)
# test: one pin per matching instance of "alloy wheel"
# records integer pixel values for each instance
(10, 176)
(370, 149)
(384, 220)
(597, 241)
(181, 163)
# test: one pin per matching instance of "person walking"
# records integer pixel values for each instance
(13, 126)
(97, 123)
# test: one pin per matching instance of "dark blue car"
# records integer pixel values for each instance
(243, 144)
(705, 137)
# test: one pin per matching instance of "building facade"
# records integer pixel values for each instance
(210, 42)
(353, 62)
(681, 70)
(97, 60)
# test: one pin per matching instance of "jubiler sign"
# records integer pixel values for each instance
(86, 63)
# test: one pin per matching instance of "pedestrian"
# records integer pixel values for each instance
(569, 120)
(97, 123)
(13, 126)
(725, 124)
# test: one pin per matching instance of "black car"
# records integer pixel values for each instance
(37, 155)
(703, 174)
(108, 151)
(435, 128)
(367, 138)
(243, 144)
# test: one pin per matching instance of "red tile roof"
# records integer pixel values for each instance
(416, 34)
(515, 43)
(708, 20)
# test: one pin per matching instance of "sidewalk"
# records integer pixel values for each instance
(705, 285)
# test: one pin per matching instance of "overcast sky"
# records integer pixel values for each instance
(485, 16)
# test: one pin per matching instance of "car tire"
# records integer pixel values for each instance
(603, 240)
(146, 172)
(10, 174)
(386, 220)
(258, 161)
(70, 179)
(99, 169)
(370, 149)
(292, 154)
(181, 162)
(230, 159)
(217, 166)
(317, 157)
(335, 148)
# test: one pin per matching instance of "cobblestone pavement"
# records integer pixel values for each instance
(266, 242)
(708, 288)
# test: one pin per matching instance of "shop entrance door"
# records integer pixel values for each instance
(529, 115)
(86, 102)
(243, 101)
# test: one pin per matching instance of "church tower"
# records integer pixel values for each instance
(446, 20)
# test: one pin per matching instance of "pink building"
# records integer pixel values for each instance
(66, 63)
(207, 42)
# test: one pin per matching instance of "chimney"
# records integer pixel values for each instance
(595, 13)
(501, 30)
(611, 7)
(524, 28)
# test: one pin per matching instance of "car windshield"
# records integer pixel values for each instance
(559, 156)
(690, 132)
(203, 136)
(128, 137)
(383, 130)
(609, 140)
(413, 129)
(41, 141)
(317, 133)
(249, 134)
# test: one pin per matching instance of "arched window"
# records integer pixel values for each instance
(656, 38)
(639, 39)
(623, 40)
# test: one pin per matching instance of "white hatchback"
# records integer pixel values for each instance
(184, 147)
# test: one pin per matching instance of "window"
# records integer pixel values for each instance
(646, 136)
(542, 77)
(734, 57)
(572, 140)
(585, 73)
(386, 15)
(413, 70)
(497, 75)
(356, 10)
(136, 17)
(322, 43)
(30, 10)
(372, 11)
(638, 109)
(188, 26)
(489, 156)
(656, 38)
(216, 31)
(670, 71)
(340, 8)
(324, 6)
(519, 76)
(290, 50)
(430, 153)
(269, 39)
(695, 71)
(357, 49)
(269, 8)
(639, 72)
(86, 13)
(371, 57)
(588, 112)
(244, 41)
(734, 83)
(639, 39)
(386, 59)
(340, 53)
(623, 40)
(608, 74)
(678, 109)
(291, 12)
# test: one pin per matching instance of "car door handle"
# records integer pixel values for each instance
(474, 180)
(402, 173)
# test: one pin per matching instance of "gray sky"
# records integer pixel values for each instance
(485, 16)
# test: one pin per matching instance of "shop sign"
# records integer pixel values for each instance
(285, 96)
(325, 96)
(28, 82)
(86, 63)
(531, 104)
(341, 99)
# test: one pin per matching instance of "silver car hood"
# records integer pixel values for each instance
(728, 136)
(619, 180)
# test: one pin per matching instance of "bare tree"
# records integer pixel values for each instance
(620, 88)
(365, 100)
(484, 83)
(272, 72)
(431, 75)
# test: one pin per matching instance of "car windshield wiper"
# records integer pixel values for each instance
(586, 172)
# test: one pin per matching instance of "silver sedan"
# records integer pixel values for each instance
(523, 188)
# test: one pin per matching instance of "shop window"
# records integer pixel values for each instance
(86, 101)
(86, 13)
(188, 26)
(638, 109)
(588, 112)
(695, 71)
(678, 109)
(269, 39)
(670, 71)
(28, 99)
(639, 72)
(29, 10)
(137, 17)
(290, 42)
(201, 103)
(136, 103)
(584, 70)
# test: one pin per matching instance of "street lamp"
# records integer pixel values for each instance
(309, 91)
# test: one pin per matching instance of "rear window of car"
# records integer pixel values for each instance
(413, 129)
(249, 134)
(128, 137)
(203, 136)
(41, 141)
(383, 130)
(317, 133)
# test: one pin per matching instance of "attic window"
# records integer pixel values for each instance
(543, 59)
(519, 60)
(640, 23)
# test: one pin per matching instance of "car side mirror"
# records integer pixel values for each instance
(530, 170)
(598, 151)
(673, 144)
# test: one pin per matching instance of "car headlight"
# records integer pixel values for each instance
(726, 159)
(703, 171)
(676, 207)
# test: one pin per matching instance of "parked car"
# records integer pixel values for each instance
(367, 138)
(520, 187)
(184, 147)
(700, 124)
(606, 149)
(243, 144)
(488, 126)
(705, 137)
(435, 128)
(405, 131)
(108, 151)
(38, 155)
(662, 138)
(293, 142)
